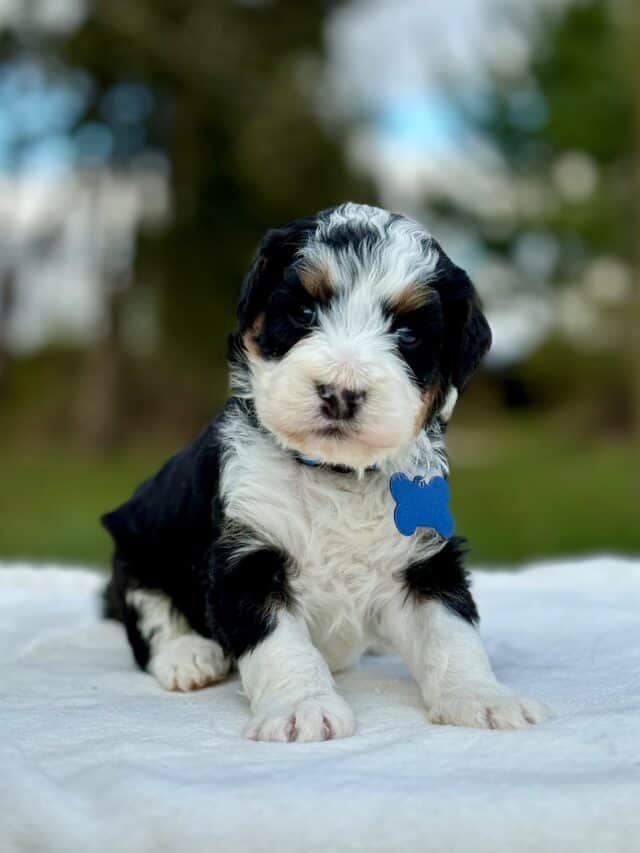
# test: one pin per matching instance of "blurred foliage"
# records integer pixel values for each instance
(565, 127)
(587, 396)
(235, 91)
(575, 97)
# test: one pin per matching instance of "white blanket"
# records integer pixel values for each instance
(95, 756)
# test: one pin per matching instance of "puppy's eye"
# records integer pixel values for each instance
(302, 316)
(406, 338)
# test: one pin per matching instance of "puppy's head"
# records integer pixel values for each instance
(355, 329)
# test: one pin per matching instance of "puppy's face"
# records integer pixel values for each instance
(355, 330)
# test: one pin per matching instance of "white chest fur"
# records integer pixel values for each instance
(337, 529)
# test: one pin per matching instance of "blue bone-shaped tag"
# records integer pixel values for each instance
(421, 504)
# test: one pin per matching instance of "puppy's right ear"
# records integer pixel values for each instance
(276, 252)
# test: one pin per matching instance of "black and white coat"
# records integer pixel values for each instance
(355, 334)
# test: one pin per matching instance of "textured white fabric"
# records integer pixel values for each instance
(95, 756)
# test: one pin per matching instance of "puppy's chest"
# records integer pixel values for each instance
(339, 530)
(350, 530)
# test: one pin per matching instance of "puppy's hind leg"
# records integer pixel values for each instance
(177, 656)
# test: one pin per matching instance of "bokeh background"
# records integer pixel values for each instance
(145, 145)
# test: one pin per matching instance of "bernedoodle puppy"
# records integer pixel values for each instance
(309, 520)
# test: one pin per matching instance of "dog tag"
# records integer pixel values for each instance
(421, 504)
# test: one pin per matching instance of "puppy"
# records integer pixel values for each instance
(270, 543)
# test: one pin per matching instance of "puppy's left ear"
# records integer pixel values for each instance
(467, 336)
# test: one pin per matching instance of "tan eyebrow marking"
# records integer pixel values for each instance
(315, 280)
(250, 337)
(410, 298)
(430, 402)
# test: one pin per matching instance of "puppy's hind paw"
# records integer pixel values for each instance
(189, 662)
(318, 718)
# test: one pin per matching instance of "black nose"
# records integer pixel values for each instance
(339, 404)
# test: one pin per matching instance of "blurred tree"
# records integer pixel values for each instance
(563, 126)
(228, 92)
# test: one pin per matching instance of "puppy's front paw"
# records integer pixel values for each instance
(492, 710)
(317, 718)
(189, 662)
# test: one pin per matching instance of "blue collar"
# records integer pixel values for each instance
(338, 469)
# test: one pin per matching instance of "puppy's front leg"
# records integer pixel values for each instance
(432, 624)
(446, 657)
(284, 676)
(290, 688)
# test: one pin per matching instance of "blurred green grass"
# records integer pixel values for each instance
(50, 501)
(520, 491)
(536, 493)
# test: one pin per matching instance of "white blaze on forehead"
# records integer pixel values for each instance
(354, 319)
(398, 253)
